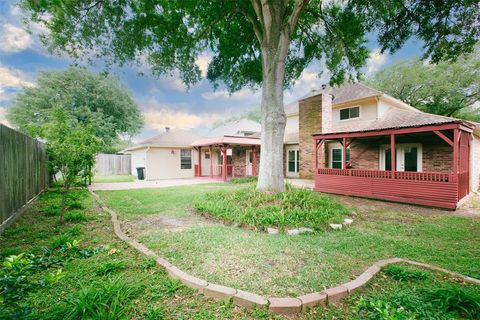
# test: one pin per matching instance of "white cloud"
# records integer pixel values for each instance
(202, 63)
(157, 116)
(375, 61)
(3, 119)
(244, 93)
(13, 78)
(14, 39)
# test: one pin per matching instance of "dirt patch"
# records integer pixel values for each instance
(365, 206)
(164, 222)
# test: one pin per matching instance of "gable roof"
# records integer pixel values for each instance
(395, 118)
(344, 93)
(171, 138)
(236, 128)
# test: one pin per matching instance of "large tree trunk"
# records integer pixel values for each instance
(273, 128)
(274, 52)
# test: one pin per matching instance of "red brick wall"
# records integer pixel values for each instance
(437, 158)
(315, 116)
(239, 154)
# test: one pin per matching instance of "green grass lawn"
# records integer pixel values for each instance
(285, 265)
(119, 283)
(114, 178)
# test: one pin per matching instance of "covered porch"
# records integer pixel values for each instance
(227, 157)
(425, 165)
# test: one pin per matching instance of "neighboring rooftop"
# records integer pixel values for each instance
(168, 139)
(242, 127)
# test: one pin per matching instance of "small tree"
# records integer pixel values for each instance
(71, 149)
(88, 97)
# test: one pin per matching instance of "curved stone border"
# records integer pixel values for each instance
(278, 305)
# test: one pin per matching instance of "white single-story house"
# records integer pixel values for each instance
(170, 155)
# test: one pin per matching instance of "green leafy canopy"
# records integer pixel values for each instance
(91, 98)
(171, 34)
(446, 88)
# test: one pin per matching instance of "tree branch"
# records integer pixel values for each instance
(297, 11)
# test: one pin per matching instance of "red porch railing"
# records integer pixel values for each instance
(232, 171)
(402, 175)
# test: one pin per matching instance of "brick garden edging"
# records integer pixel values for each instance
(278, 305)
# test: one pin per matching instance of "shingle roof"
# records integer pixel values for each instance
(343, 93)
(235, 128)
(170, 138)
(231, 140)
(393, 119)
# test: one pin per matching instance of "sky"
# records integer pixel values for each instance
(163, 101)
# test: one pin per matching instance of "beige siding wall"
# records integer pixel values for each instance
(206, 162)
(368, 111)
(161, 163)
(138, 160)
(292, 123)
(475, 164)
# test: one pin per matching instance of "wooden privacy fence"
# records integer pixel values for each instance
(23, 172)
(108, 164)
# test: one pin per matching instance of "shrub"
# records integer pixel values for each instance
(74, 230)
(402, 273)
(100, 300)
(111, 266)
(244, 180)
(75, 216)
(51, 210)
(60, 241)
(432, 301)
(454, 299)
(292, 208)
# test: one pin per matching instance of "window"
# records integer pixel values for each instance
(349, 113)
(185, 159)
(336, 158)
(293, 161)
(207, 155)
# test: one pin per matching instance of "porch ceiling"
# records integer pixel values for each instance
(227, 140)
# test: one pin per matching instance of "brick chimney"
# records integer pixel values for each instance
(315, 116)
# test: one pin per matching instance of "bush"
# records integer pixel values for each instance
(292, 208)
(431, 301)
(100, 300)
(60, 241)
(402, 273)
(244, 180)
(51, 210)
(111, 266)
(75, 216)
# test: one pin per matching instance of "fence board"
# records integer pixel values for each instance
(112, 164)
(23, 171)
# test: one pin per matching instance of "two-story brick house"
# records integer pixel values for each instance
(435, 160)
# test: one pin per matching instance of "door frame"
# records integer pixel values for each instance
(248, 162)
(288, 173)
(400, 156)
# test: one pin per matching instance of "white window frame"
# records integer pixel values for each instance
(191, 159)
(350, 119)
(400, 155)
(289, 173)
(330, 158)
